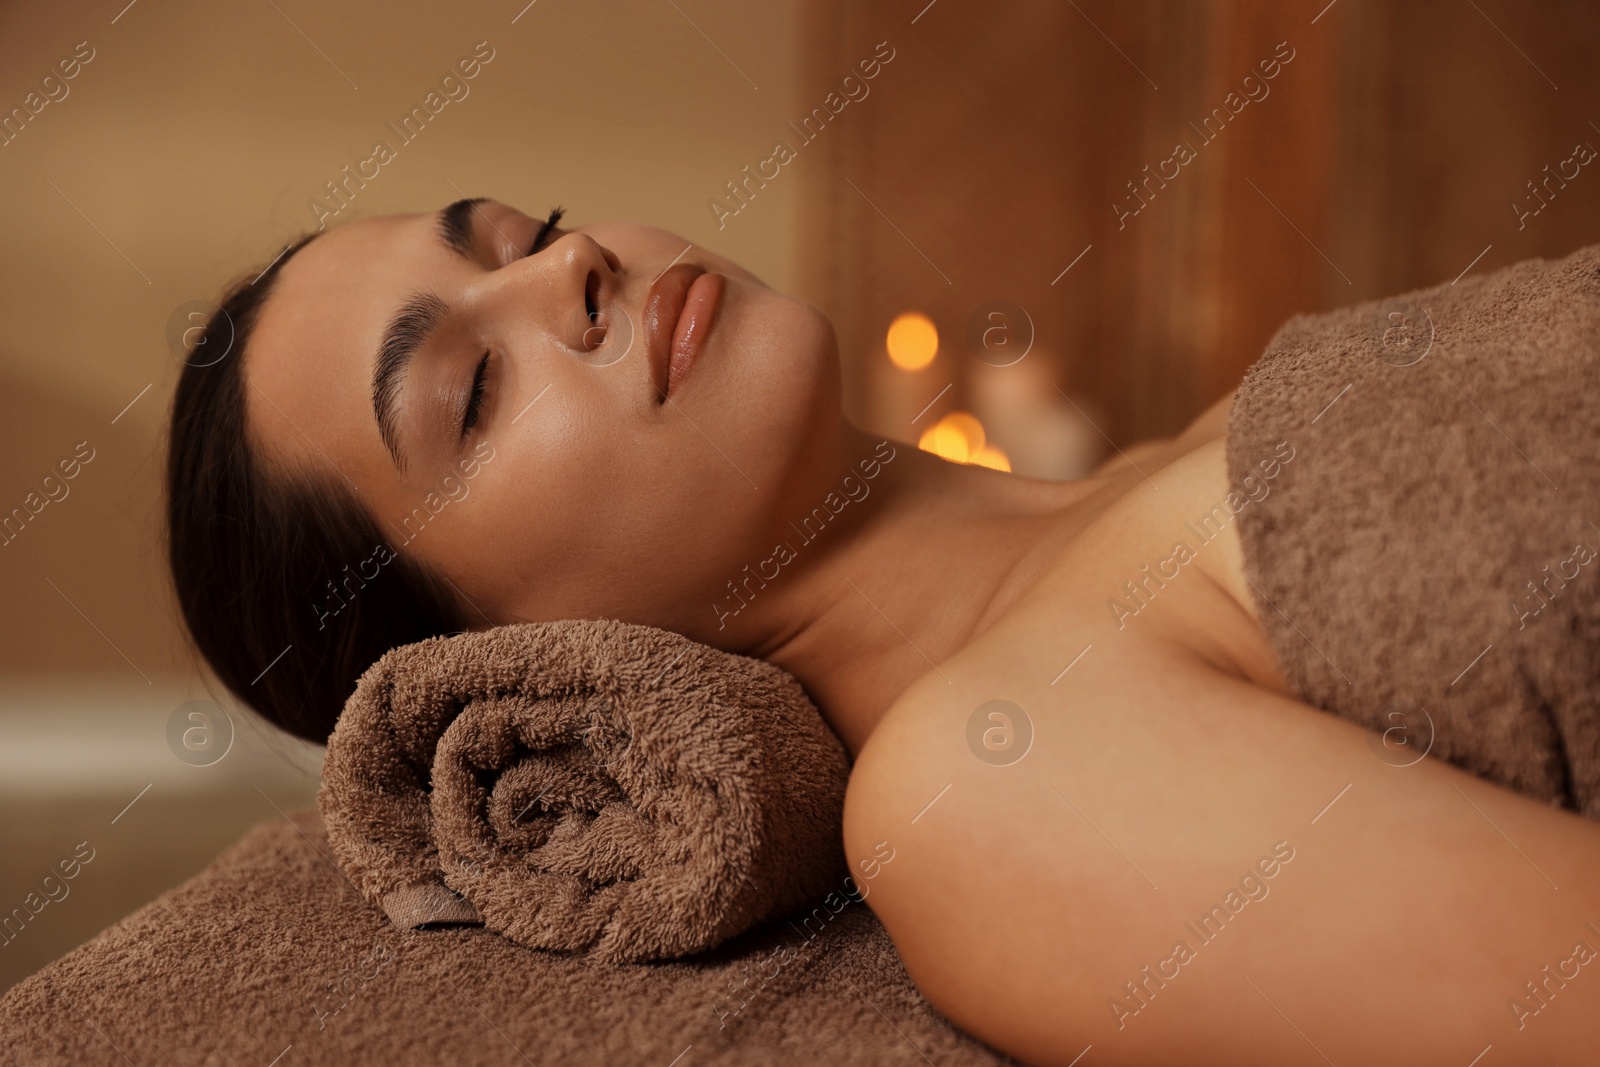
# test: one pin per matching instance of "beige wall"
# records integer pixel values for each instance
(191, 143)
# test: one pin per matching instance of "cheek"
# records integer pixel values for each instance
(565, 520)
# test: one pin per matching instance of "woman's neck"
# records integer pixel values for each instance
(903, 577)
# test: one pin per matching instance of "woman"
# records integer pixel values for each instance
(418, 424)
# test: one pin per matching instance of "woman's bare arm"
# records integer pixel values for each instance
(1041, 905)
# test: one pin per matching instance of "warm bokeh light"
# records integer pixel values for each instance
(913, 340)
(959, 437)
(968, 426)
(990, 456)
(946, 442)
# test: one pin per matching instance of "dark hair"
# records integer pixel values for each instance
(269, 565)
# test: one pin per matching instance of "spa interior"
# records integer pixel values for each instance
(1044, 232)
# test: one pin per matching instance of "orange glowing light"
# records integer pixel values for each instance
(946, 442)
(913, 340)
(959, 437)
(990, 456)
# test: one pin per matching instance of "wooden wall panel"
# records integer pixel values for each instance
(1385, 156)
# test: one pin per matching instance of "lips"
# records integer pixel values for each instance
(678, 311)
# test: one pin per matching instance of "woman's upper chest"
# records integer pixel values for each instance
(1158, 569)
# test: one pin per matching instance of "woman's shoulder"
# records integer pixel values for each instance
(1149, 574)
(1034, 820)
(1036, 823)
(1149, 578)
(1152, 583)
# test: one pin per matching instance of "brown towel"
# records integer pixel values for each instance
(269, 958)
(1427, 561)
(585, 785)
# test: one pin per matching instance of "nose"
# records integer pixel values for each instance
(571, 288)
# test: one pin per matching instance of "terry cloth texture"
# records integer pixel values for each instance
(271, 952)
(585, 785)
(1426, 564)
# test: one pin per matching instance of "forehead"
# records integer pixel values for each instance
(309, 369)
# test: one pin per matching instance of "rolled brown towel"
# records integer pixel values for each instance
(585, 785)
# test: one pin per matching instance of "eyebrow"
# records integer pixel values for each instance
(455, 225)
(411, 327)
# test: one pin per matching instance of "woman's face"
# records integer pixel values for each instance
(575, 489)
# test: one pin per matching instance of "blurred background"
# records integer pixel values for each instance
(1041, 230)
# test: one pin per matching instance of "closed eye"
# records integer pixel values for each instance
(469, 418)
(470, 413)
(545, 230)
